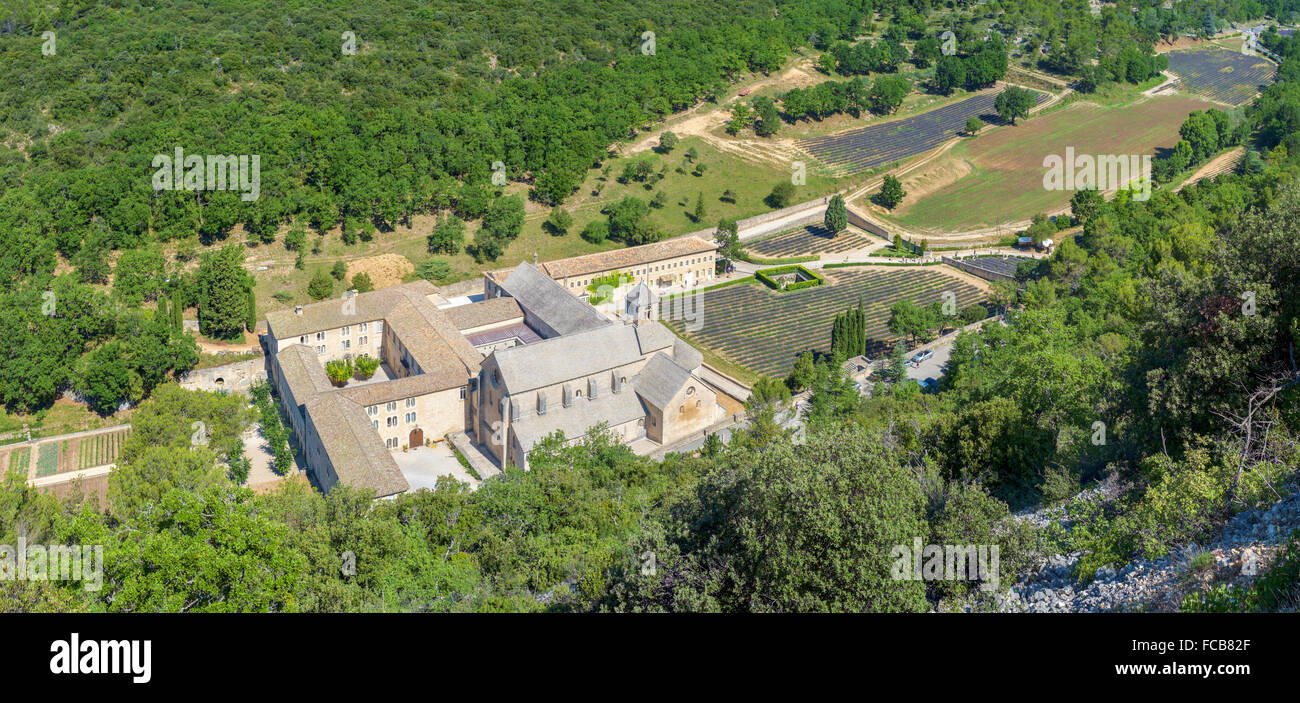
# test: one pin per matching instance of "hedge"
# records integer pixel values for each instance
(764, 275)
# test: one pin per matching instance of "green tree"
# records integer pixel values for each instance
(223, 287)
(321, 286)
(448, 236)
(782, 195)
(1013, 103)
(559, 221)
(361, 283)
(340, 271)
(138, 276)
(891, 192)
(837, 215)
(596, 231)
(974, 125)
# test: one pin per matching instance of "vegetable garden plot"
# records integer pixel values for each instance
(868, 147)
(767, 331)
(1218, 74)
(813, 239)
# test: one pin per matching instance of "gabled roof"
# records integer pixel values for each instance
(560, 359)
(549, 302)
(630, 257)
(493, 311)
(575, 420)
(331, 314)
(303, 372)
(355, 450)
(660, 380)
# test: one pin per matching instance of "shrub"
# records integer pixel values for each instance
(361, 283)
(366, 366)
(433, 270)
(339, 371)
(596, 231)
(765, 275)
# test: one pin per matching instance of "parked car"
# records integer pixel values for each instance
(921, 356)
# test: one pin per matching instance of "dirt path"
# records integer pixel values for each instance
(1217, 166)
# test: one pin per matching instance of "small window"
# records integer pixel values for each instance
(462, 393)
(372, 410)
(362, 327)
(302, 339)
(376, 423)
(320, 336)
(347, 344)
(363, 341)
(392, 405)
(410, 417)
(347, 331)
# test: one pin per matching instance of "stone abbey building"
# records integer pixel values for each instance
(528, 360)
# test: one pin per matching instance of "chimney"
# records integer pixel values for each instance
(352, 292)
(297, 310)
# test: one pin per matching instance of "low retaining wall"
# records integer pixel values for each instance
(767, 217)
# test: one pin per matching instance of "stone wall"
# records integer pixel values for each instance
(236, 376)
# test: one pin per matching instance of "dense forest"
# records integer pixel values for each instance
(1172, 322)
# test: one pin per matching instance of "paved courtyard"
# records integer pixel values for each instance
(423, 466)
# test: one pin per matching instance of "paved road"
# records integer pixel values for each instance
(933, 367)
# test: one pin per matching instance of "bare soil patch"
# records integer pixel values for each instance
(385, 270)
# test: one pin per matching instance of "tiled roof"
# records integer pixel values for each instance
(618, 259)
(330, 314)
(303, 372)
(355, 449)
(631, 257)
(399, 388)
(493, 311)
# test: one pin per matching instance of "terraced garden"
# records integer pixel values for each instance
(813, 239)
(1218, 74)
(766, 331)
(874, 145)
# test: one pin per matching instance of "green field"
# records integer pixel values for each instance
(1002, 171)
(765, 331)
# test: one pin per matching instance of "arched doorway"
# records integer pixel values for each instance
(416, 439)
